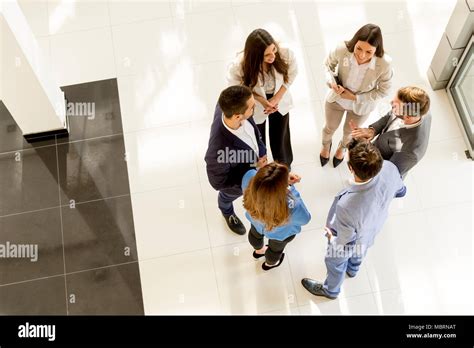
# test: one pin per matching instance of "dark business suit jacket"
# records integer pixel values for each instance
(403, 147)
(227, 177)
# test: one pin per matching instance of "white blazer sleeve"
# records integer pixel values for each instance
(292, 68)
(330, 64)
(234, 74)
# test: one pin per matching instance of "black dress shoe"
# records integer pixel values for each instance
(235, 224)
(325, 160)
(316, 288)
(350, 275)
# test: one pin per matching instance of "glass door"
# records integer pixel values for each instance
(461, 90)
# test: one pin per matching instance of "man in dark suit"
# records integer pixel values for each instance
(235, 146)
(402, 134)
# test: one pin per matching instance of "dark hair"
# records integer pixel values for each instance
(364, 158)
(370, 33)
(265, 198)
(416, 101)
(233, 100)
(254, 51)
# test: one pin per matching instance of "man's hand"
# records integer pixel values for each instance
(365, 133)
(328, 234)
(262, 162)
(293, 178)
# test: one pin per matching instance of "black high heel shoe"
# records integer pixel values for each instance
(325, 160)
(336, 161)
(257, 256)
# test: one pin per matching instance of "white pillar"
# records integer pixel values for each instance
(459, 30)
(30, 94)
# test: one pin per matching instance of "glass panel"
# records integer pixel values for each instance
(462, 91)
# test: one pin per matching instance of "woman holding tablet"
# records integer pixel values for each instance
(363, 77)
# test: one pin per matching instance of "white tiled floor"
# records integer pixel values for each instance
(170, 58)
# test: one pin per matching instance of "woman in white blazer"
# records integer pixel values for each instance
(358, 73)
(269, 70)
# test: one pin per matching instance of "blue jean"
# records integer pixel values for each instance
(224, 202)
(337, 267)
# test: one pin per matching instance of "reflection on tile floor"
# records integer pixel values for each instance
(98, 234)
(92, 169)
(29, 180)
(41, 228)
(11, 138)
(46, 296)
(99, 103)
(70, 201)
(114, 290)
(168, 85)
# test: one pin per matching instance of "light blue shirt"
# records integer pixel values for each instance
(359, 211)
(299, 214)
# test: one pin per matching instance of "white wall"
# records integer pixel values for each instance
(33, 98)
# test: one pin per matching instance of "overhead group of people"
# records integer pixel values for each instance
(358, 76)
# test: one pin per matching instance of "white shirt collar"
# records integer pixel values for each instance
(371, 63)
(402, 124)
(414, 124)
(230, 129)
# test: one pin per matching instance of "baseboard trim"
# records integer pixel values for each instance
(59, 133)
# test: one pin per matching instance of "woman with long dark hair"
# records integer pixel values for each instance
(363, 77)
(275, 210)
(269, 70)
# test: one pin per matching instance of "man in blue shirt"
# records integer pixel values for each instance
(357, 216)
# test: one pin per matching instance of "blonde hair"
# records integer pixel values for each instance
(416, 101)
(265, 198)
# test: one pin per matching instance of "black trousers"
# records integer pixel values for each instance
(279, 134)
(275, 247)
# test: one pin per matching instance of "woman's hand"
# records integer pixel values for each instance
(277, 97)
(275, 100)
(269, 106)
(348, 95)
(293, 178)
(337, 88)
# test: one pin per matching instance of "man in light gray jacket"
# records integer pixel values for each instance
(357, 215)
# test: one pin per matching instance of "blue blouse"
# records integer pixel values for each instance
(299, 214)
